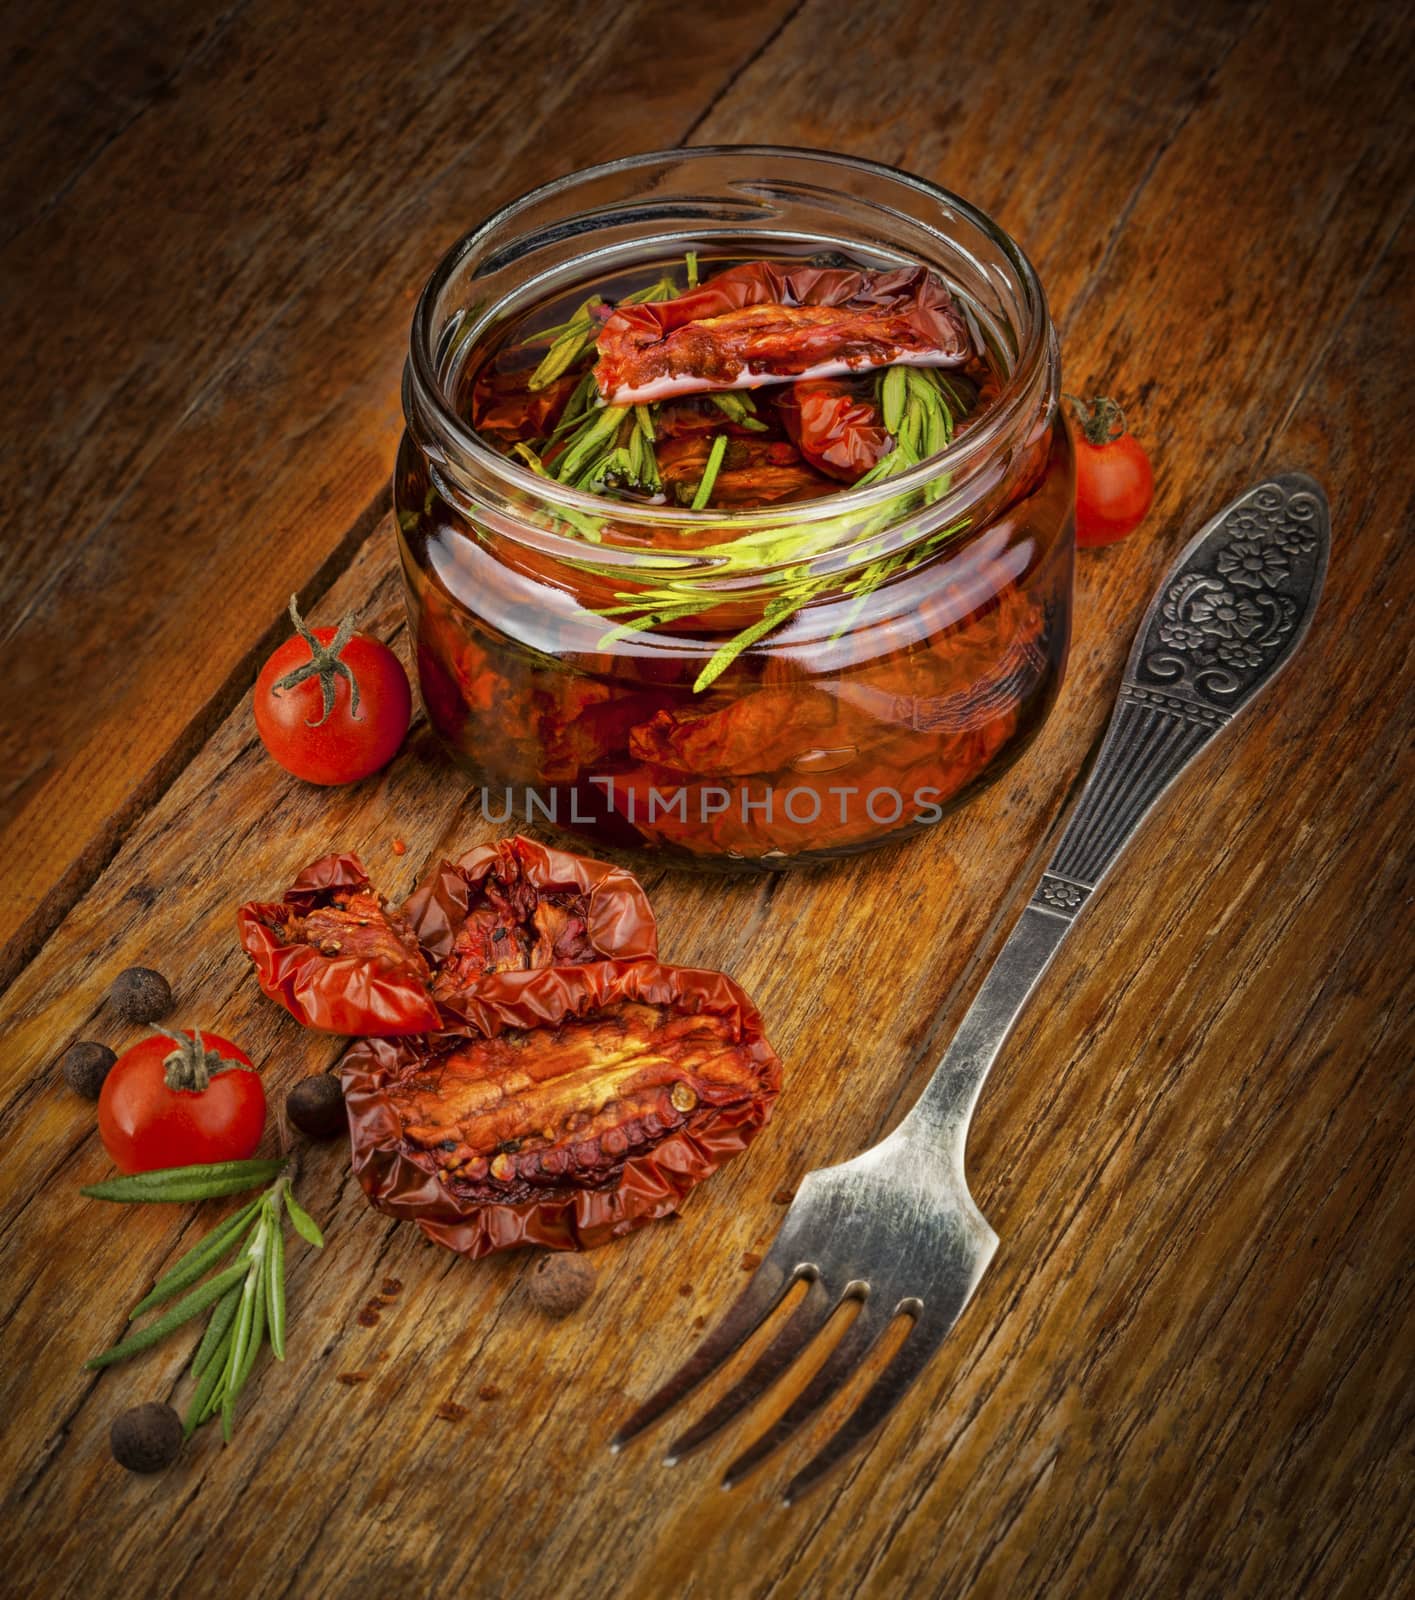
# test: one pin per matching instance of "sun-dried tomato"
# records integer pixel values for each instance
(336, 957)
(754, 472)
(517, 905)
(580, 1103)
(763, 731)
(506, 409)
(526, 720)
(759, 323)
(920, 724)
(835, 424)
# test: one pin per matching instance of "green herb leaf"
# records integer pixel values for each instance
(710, 471)
(275, 1285)
(305, 1224)
(893, 392)
(734, 647)
(184, 1184)
(573, 338)
(185, 1309)
(739, 408)
(624, 630)
(692, 263)
(211, 1375)
(196, 1261)
(246, 1334)
(595, 439)
(217, 1328)
(664, 289)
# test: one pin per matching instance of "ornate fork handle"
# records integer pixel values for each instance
(1226, 620)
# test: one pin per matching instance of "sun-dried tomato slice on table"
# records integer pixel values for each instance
(578, 1104)
(336, 957)
(339, 959)
(517, 905)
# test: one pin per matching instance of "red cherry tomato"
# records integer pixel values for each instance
(332, 705)
(148, 1118)
(1114, 483)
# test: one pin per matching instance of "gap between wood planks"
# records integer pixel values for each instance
(1181, 121)
(730, 83)
(1337, 328)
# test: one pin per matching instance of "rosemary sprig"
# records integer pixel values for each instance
(196, 1263)
(580, 464)
(571, 340)
(247, 1297)
(738, 408)
(710, 472)
(921, 408)
(608, 445)
(204, 1182)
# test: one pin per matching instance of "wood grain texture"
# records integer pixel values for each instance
(1187, 1371)
(222, 405)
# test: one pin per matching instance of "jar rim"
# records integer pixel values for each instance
(1033, 347)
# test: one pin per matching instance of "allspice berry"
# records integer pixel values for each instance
(147, 1438)
(316, 1107)
(141, 995)
(85, 1065)
(561, 1282)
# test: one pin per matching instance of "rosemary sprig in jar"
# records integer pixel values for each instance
(575, 338)
(921, 408)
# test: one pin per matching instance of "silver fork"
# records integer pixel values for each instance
(896, 1229)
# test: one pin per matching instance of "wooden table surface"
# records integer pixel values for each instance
(1188, 1370)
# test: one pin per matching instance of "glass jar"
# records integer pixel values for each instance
(793, 682)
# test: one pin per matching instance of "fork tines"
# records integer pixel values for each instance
(769, 1287)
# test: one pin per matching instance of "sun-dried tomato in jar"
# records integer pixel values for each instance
(775, 560)
(577, 1104)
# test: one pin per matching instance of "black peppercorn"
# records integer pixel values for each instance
(85, 1065)
(316, 1107)
(141, 995)
(560, 1283)
(147, 1438)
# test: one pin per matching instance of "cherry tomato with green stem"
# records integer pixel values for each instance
(1115, 485)
(181, 1100)
(332, 705)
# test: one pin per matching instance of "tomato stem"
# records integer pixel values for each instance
(1100, 421)
(324, 664)
(193, 1064)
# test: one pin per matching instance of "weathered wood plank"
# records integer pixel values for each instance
(1183, 1374)
(77, 77)
(1249, 1115)
(229, 405)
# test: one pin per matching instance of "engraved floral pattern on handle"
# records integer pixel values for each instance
(1225, 620)
(1229, 614)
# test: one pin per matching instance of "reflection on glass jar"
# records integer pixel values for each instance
(736, 687)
